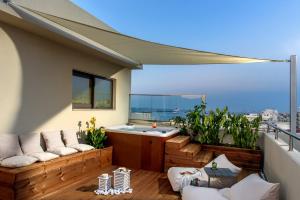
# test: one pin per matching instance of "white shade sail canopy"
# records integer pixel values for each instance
(69, 16)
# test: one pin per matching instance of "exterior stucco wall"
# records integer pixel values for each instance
(36, 84)
(282, 166)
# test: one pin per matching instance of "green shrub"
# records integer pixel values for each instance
(206, 128)
(181, 123)
(243, 131)
(213, 122)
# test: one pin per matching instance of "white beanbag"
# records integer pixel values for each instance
(53, 140)
(62, 151)
(44, 156)
(81, 147)
(9, 146)
(70, 137)
(179, 181)
(197, 193)
(31, 143)
(18, 161)
(254, 188)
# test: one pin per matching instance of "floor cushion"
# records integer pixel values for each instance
(9, 146)
(62, 151)
(254, 188)
(81, 147)
(44, 156)
(70, 137)
(31, 143)
(197, 193)
(18, 161)
(53, 140)
(179, 177)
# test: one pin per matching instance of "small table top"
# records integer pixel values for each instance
(219, 172)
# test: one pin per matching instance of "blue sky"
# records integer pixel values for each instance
(254, 28)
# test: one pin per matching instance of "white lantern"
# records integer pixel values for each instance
(104, 184)
(122, 180)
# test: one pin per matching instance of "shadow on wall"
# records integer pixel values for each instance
(46, 87)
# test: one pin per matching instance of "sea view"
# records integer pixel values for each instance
(166, 107)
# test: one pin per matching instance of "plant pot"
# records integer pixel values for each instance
(244, 158)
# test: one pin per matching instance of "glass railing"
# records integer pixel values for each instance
(162, 108)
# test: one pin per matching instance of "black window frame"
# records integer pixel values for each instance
(92, 80)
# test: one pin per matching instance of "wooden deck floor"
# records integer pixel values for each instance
(147, 185)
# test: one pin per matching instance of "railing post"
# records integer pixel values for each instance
(268, 128)
(293, 98)
(276, 133)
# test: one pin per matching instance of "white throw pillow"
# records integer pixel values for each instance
(223, 162)
(44, 156)
(254, 188)
(70, 137)
(63, 151)
(53, 140)
(31, 143)
(179, 181)
(18, 161)
(9, 146)
(82, 147)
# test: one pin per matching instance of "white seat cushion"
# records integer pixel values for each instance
(44, 156)
(62, 151)
(254, 188)
(179, 181)
(81, 147)
(9, 146)
(53, 140)
(70, 137)
(197, 193)
(31, 143)
(18, 161)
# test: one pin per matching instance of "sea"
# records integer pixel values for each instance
(166, 107)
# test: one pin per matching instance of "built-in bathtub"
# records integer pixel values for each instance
(139, 147)
(144, 130)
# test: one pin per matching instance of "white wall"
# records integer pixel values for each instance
(36, 84)
(282, 166)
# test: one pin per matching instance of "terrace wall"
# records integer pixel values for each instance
(282, 166)
(36, 84)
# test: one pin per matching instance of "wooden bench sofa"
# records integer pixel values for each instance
(43, 178)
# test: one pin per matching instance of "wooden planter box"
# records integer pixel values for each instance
(106, 156)
(244, 158)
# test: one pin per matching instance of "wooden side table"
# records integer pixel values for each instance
(218, 173)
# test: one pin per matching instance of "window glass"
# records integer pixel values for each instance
(103, 93)
(81, 91)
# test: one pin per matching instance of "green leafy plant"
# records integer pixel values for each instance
(195, 119)
(243, 131)
(96, 137)
(181, 123)
(213, 122)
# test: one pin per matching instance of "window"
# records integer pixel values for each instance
(90, 91)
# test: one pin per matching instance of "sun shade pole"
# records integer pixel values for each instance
(293, 98)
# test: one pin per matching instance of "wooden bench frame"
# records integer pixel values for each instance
(44, 178)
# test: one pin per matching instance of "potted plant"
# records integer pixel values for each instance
(97, 138)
